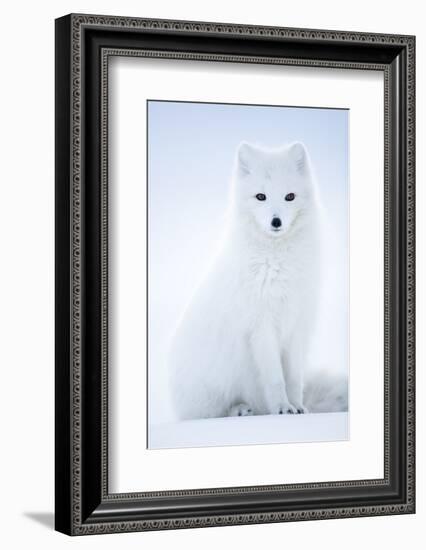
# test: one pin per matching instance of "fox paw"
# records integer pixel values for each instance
(241, 410)
(288, 408)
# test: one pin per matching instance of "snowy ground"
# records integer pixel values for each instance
(250, 430)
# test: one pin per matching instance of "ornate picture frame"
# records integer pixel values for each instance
(84, 45)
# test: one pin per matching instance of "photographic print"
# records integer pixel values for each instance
(248, 274)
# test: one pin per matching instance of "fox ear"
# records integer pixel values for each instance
(246, 158)
(298, 154)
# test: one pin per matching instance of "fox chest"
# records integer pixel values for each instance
(275, 288)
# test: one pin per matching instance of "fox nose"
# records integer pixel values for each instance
(276, 222)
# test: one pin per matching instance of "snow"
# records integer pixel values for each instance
(250, 430)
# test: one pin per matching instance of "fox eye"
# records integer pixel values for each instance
(290, 197)
(261, 197)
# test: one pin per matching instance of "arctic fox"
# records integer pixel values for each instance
(240, 347)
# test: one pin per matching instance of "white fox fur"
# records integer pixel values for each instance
(325, 391)
(241, 345)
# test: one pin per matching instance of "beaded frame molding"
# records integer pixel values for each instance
(84, 44)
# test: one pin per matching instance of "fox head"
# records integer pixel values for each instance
(273, 188)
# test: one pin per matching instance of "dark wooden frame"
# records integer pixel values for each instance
(83, 46)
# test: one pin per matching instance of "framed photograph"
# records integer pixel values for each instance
(234, 274)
